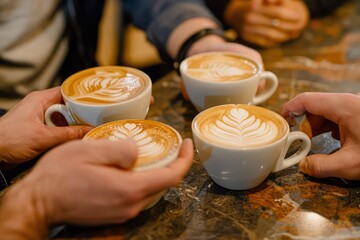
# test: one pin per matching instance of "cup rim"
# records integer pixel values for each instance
(147, 167)
(199, 135)
(140, 95)
(260, 67)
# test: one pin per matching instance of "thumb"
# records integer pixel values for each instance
(341, 164)
(122, 154)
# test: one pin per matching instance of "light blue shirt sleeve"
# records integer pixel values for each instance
(160, 17)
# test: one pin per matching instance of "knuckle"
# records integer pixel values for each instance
(316, 169)
(355, 161)
(132, 191)
(32, 95)
(135, 196)
(303, 97)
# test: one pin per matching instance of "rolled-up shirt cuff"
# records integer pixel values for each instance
(160, 29)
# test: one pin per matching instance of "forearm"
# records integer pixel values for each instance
(188, 28)
(159, 18)
(21, 214)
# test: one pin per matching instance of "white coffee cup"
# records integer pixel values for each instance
(216, 78)
(240, 145)
(102, 94)
(158, 144)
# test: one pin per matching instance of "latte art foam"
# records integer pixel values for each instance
(237, 126)
(104, 86)
(220, 67)
(155, 142)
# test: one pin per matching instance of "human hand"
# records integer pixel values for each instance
(338, 113)
(23, 134)
(267, 23)
(214, 43)
(72, 180)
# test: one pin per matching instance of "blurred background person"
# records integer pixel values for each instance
(269, 23)
(43, 42)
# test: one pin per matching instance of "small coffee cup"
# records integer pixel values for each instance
(217, 78)
(158, 144)
(102, 94)
(240, 145)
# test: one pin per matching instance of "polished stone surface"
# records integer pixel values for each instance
(288, 204)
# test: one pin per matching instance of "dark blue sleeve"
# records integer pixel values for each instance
(160, 17)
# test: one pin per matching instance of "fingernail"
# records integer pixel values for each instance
(188, 139)
(291, 119)
(304, 165)
(297, 114)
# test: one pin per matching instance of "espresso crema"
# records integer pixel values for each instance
(240, 126)
(220, 67)
(157, 143)
(104, 85)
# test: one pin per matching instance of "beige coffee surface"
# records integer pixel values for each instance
(240, 126)
(220, 67)
(156, 142)
(104, 85)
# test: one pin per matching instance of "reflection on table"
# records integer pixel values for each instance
(288, 205)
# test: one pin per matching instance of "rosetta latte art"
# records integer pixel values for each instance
(213, 71)
(107, 87)
(220, 68)
(148, 149)
(238, 128)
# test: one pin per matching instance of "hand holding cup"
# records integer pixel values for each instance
(240, 145)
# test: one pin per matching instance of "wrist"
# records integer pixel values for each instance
(22, 213)
(205, 44)
(185, 31)
(204, 40)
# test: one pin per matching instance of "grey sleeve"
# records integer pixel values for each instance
(160, 17)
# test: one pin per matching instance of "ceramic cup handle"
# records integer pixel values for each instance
(283, 162)
(63, 110)
(271, 81)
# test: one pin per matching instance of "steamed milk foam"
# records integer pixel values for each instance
(240, 126)
(104, 85)
(157, 143)
(220, 67)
